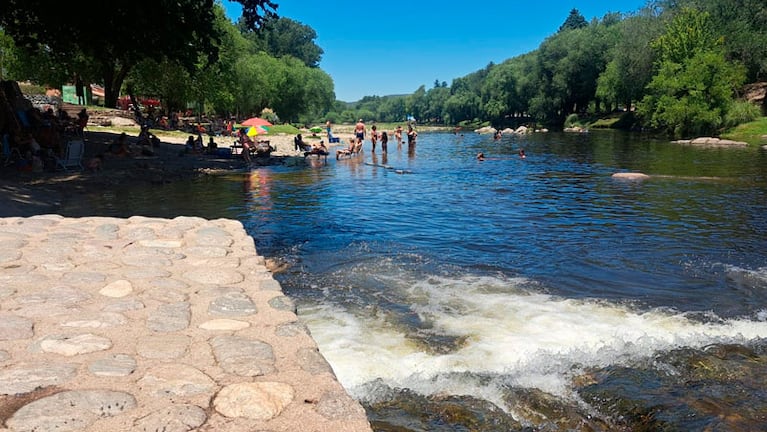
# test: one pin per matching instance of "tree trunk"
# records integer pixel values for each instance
(113, 81)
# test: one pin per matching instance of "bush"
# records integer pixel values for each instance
(741, 112)
(572, 121)
(31, 89)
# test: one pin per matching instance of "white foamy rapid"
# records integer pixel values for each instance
(527, 338)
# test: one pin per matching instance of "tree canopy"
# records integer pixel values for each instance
(674, 65)
(574, 21)
(126, 32)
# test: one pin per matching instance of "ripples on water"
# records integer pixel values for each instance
(459, 277)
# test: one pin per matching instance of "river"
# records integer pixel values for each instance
(449, 293)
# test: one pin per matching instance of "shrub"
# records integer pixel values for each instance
(572, 121)
(741, 112)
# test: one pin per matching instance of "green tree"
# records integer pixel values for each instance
(417, 104)
(695, 84)
(631, 61)
(286, 37)
(435, 104)
(256, 82)
(499, 93)
(392, 109)
(744, 24)
(692, 97)
(126, 34)
(689, 33)
(574, 21)
(569, 64)
(463, 106)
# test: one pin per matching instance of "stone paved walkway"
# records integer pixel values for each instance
(148, 324)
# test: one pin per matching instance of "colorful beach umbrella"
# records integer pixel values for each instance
(256, 121)
(255, 130)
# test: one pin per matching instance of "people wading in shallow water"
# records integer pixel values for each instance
(398, 136)
(412, 135)
(374, 137)
(359, 131)
(384, 142)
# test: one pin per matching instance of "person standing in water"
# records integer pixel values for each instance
(374, 137)
(398, 136)
(411, 137)
(359, 132)
(384, 141)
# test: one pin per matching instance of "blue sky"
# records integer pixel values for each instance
(394, 47)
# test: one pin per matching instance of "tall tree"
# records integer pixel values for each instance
(695, 84)
(284, 36)
(574, 21)
(127, 33)
(499, 93)
(631, 65)
(744, 26)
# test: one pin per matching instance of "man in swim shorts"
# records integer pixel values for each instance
(359, 131)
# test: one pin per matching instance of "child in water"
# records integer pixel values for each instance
(384, 141)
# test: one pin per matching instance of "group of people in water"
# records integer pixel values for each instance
(361, 133)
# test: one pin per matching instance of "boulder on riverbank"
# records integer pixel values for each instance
(712, 142)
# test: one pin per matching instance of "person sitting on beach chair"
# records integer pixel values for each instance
(355, 146)
(263, 149)
(300, 145)
(317, 149)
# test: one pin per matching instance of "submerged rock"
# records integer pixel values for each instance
(408, 411)
(720, 387)
(630, 176)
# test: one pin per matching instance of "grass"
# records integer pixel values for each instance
(754, 132)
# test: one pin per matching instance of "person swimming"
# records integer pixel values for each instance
(480, 156)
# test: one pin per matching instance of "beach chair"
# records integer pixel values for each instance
(73, 155)
(320, 154)
(10, 155)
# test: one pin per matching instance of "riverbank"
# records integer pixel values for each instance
(136, 322)
(154, 324)
(26, 193)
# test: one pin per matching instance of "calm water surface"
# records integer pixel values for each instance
(439, 274)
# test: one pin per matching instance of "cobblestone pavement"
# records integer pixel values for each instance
(146, 324)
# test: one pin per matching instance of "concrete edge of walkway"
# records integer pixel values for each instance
(154, 324)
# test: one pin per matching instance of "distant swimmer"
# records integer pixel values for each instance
(480, 156)
(522, 153)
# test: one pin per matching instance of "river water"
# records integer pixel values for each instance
(430, 276)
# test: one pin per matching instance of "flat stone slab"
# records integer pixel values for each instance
(111, 324)
(70, 410)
